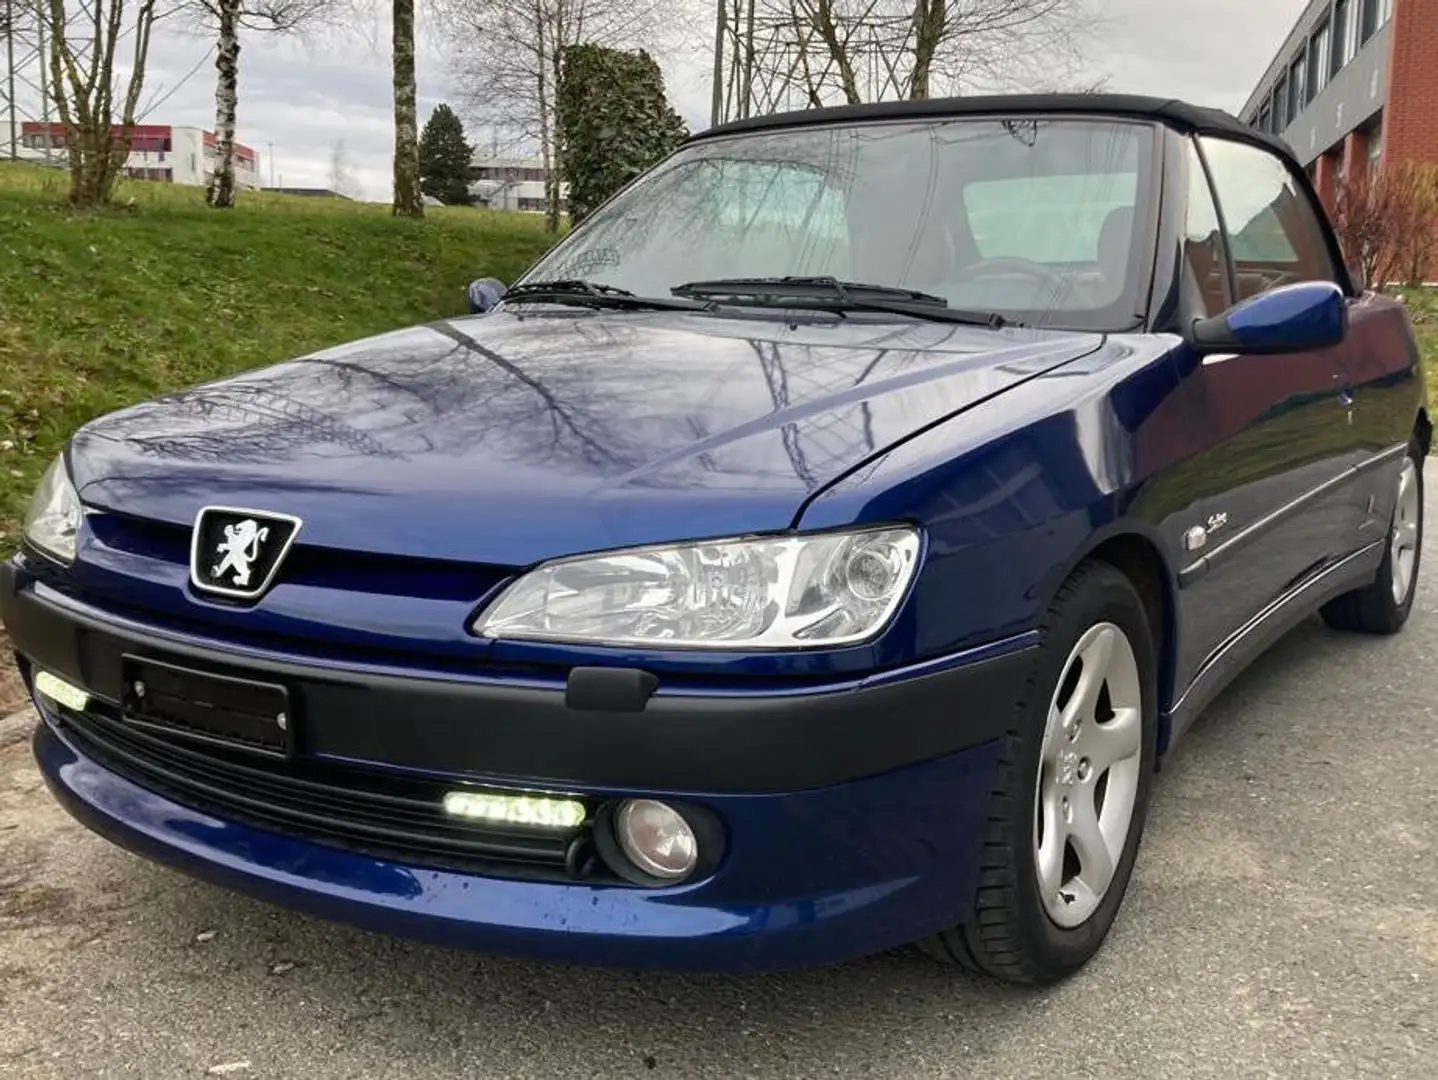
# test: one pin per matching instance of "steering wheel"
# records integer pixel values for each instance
(1013, 264)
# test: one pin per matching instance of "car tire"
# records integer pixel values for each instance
(1384, 606)
(1025, 927)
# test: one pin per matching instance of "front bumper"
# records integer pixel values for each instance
(860, 827)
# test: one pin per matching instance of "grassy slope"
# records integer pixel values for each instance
(100, 311)
(1423, 308)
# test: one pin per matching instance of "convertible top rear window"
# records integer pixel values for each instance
(1038, 219)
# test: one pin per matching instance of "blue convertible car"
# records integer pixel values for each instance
(818, 551)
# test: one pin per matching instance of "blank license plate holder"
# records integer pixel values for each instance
(206, 707)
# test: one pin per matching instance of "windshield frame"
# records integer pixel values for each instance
(1131, 312)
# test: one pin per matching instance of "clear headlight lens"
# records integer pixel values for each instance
(782, 593)
(54, 515)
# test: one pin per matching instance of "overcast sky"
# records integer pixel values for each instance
(298, 99)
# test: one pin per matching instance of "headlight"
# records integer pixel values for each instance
(54, 515)
(794, 592)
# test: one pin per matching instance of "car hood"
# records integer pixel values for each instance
(509, 438)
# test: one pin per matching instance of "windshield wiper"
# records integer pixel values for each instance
(802, 286)
(593, 294)
(835, 295)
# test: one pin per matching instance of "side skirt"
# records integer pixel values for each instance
(1264, 630)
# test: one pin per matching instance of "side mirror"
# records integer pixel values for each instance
(1292, 318)
(484, 294)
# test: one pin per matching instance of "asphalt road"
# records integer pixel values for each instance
(1283, 922)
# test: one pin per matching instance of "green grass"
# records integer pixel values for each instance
(98, 311)
(1423, 309)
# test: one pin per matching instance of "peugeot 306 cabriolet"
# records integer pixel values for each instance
(818, 551)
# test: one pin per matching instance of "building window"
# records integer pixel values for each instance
(1318, 62)
(1280, 106)
(1340, 52)
(1375, 148)
(1368, 25)
(163, 175)
(1265, 119)
(1296, 99)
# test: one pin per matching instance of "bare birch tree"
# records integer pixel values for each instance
(853, 51)
(507, 58)
(84, 41)
(407, 198)
(227, 18)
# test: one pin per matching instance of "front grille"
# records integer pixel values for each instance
(366, 811)
(346, 571)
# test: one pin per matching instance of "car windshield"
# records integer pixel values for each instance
(1034, 219)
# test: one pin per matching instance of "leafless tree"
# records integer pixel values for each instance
(506, 56)
(863, 50)
(1387, 221)
(227, 18)
(407, 199)
(85, 37)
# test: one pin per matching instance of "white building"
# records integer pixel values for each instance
(502, 183)
(174, 155)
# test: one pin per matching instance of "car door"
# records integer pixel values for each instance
(1266, 505)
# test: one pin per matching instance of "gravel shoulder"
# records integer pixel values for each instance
(12, 690)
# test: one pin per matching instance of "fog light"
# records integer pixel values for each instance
(540, 811)
(657, 838)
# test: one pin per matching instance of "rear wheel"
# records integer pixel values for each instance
(1067, 813)
(1384, 606)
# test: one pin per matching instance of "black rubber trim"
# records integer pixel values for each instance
(742, 741)
(1196, 570)
(357, 819)
(1236, 653)
(609, 689)
(1178, 114)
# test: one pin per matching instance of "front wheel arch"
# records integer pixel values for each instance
(1009, 932)
(1136, 553)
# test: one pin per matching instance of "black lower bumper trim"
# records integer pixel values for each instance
(352, 811)
(748, 742)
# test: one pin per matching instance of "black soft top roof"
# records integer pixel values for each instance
(1177, 114)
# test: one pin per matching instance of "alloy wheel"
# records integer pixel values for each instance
(1088, 774)
(1403, 540)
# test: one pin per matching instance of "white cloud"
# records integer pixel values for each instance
(1209, 52)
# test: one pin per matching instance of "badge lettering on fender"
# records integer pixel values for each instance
(1197, 537)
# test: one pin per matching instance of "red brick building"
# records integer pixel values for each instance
(1354, 86)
